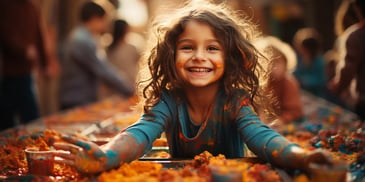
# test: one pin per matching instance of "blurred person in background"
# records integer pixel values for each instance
(123, 55)
(47, 85)
(331, 58)
(346, 22)
(85, 65)
(284, 86)
(22, 51)
(354, 65)
(310, 70)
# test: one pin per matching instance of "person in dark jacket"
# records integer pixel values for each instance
(22, 51)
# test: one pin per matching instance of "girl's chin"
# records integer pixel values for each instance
(201, 84)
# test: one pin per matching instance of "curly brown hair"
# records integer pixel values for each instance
(234, 32)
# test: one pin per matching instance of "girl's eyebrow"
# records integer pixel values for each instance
(191, 40)
(184, 40)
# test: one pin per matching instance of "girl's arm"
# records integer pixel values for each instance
(271, 146)
(128, 145)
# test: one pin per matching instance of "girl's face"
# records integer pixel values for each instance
(199, 55)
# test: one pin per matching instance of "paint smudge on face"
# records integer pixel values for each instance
(219, 65)
(179, 64)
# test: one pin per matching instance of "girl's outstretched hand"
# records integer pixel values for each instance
(85, 156)
(318, 156)
(321, 167)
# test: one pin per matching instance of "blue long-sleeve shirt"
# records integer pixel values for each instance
(311, 77)
(225, 132)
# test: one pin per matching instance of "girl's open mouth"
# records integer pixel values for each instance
(199, 70)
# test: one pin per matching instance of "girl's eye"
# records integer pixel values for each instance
(186, 47)
(213, 48)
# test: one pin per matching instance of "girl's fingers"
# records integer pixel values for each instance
(84, 144)
(63, 161)
(70, 139)
(65, 155)
(320, 157)
(89, 147)
(67, 147)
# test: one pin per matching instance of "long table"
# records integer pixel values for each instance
(102, 120)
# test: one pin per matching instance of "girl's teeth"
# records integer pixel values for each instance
(199, 69)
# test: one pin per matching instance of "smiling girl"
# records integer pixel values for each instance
(203, 84)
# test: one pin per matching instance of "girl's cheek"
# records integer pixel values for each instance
(179, 64)
(219, 65)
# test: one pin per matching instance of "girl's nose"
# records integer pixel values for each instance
(199, 55)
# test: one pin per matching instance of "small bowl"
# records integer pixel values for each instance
(39, 162)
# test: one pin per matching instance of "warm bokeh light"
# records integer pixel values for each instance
(133, 11)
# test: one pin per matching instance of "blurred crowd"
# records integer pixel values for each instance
(41, 74)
